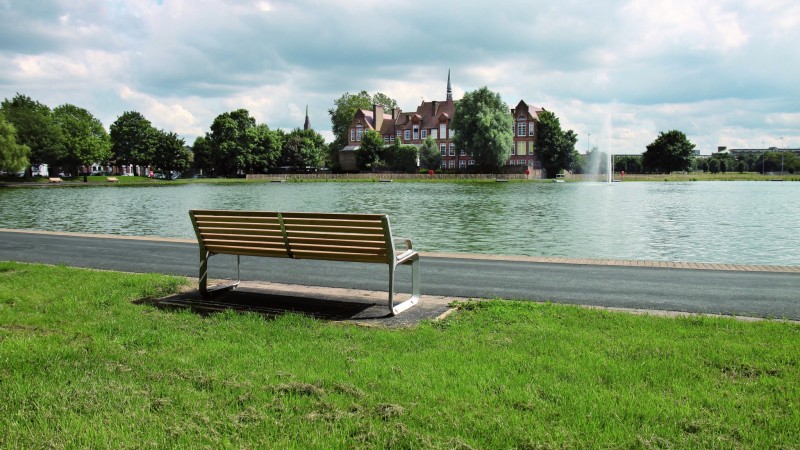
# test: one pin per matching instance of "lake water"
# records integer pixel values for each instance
(728, 222)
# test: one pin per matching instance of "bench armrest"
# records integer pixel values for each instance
(406, 255)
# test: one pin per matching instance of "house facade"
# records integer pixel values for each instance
(434, 118)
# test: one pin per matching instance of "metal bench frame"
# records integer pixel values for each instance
(363, 238)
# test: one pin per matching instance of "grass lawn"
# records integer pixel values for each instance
(83, 365)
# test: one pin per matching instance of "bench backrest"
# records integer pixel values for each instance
(329, 236)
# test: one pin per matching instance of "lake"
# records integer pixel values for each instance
(726, 222)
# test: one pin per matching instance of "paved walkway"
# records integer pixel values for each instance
(751, 291)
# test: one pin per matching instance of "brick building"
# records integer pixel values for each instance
(433, 118)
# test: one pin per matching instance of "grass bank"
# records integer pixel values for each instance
(83, 365)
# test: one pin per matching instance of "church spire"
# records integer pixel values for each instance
(449, 88)
(307, 124)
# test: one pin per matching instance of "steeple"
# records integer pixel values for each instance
(307, 124)
(449, 88)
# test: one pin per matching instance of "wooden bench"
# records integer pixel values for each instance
(364, 238)
(55, 179)
(112, 179)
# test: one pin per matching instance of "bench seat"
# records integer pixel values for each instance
(363, 238)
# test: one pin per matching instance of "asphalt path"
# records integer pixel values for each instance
(755, 294)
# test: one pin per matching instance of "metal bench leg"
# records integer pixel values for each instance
(203, 284)
(415, 290)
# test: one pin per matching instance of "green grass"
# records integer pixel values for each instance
(83, 365)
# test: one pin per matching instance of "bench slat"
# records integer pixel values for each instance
(297, 248)
(332, 242)
(374, 237)
(232, 213)
(239, 226)
(334, 256)
(292, 222)
(336, 216)
(237, 219)
(333, 229)
(247, 251)
(255, 232)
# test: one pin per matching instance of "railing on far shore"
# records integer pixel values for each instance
(535, 174)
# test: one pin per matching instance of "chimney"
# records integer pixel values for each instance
(377, 114)
(433, 108)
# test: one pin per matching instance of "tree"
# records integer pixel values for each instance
(85, 140)
(170, 153)
(671, 151)
(399, 157)
(13, 156)
(483, 129)
(345, 107)
(35, 128)
(266, 150)
(370, 150)
(230, 143)
(203, 159)
(303, 149)
(429, 155)
(134, 139)
(628, 163)
(556, 147)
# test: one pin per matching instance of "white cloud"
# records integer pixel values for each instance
(722, 71)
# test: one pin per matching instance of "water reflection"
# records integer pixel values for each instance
(736, 222)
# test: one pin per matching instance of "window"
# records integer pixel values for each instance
(386, 139)
(416, 132)
(471, 162)
(407, 135)
(443, 165)
(434, 134)
(442, 130)
(521, 162)
(424, 134)
(462, 152)
(359, 132)
(521, 149)
(399, 133)
(462, 164)
(511, 162)
(443, 149)
(513, 151)
(530, 129)
(452, 164)
(352, 134)
(391, 138)
(452, 150)
(522, 128)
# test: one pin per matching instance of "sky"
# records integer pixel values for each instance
(615, 72)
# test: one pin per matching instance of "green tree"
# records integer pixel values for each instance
(231, 142)
(13, 156)
(670, 152)
(35, 128)
(429, 155)
(170, 153)
(203, 156)
(267, 148)
(556, 147)
(713, 165)
(303, 149)
(399, 157)
(370, 151)
(134, 139)
(344, 109)
(628, 163)
(483, 128)
(85, 140)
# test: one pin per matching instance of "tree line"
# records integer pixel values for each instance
(70, 139)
